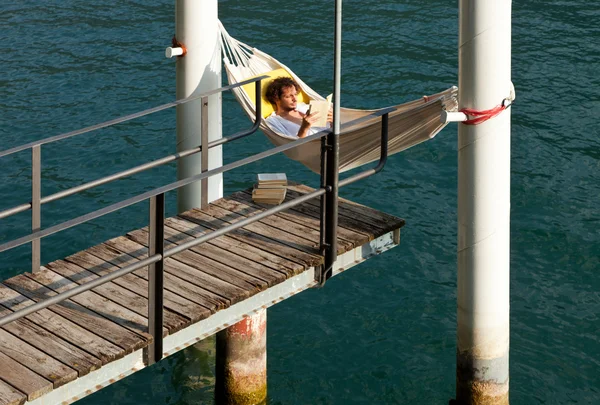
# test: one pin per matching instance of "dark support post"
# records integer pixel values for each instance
(258, 99)
(36, 213)
(330, 208)
(323, 219)
(204, 151)
(331, 205)
(156, 278)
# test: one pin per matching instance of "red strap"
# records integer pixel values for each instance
(482, 116)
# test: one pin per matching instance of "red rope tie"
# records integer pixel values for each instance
(484, 115)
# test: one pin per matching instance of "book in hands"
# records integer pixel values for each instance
(322, 107)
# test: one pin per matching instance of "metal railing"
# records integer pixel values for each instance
(156, 252)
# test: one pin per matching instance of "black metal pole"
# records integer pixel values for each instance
(156, 278)
(333, 154)
(323, 218)
(258, 100)
(331, 206)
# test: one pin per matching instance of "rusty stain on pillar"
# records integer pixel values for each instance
(241, 364)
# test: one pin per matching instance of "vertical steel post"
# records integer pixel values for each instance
(323, 217)
(483, 248)
(333, 153)
(204, 152)
(36, 209)
(258, 100)
(156, 278)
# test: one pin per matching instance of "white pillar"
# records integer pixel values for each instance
(197, 72)
(483, 204)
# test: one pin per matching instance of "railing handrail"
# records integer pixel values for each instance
(126, 117)
(155, 259)
(177, 184)
(164, 160)
(146, 166)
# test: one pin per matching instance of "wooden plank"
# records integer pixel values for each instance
(114, 251)
(64, 328)
(111, 328)
(236, 246)
(52, 344)
(180, 295)
(229, 292)
(312, 221)
(89, 261)
(353, 222)
(94, 302)
(255, 239)
(381, 219)
(239, 263)
(248, 208)
(10, 396)
(35, 360)
(216, 269)
(310, 248)
(115, 293)
(23, 379)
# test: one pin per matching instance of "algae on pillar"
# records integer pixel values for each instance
(241, 364)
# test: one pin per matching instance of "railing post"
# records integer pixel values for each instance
(155, 278)
(333, 152)
(204, 152)
(36, 213)
(331, 205)
(323, 218)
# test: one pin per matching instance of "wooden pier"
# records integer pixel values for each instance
(69, 350)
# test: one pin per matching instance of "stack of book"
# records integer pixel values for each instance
(270, 188)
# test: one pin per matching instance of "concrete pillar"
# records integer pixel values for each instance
(483, 205)
(241, 364)
(199, 71)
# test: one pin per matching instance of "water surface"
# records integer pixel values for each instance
(383, 333)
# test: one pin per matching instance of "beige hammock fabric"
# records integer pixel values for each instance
(412, 123)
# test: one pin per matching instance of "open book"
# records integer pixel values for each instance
(322, 107)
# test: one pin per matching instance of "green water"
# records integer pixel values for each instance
(383, 333)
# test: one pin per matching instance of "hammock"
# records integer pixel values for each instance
(412, 123)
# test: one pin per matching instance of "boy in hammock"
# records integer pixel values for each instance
(290, 115)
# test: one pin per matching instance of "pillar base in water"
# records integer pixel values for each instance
(241, 364)
(481, 393)
(481, 382)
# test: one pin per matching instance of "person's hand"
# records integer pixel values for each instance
(307, 122)
(310, 118)
(330, 115)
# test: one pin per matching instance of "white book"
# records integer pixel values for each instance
(272, 178)
(322, 107)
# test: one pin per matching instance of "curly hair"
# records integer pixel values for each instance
(275, 88)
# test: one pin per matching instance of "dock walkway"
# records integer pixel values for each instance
(70, 350)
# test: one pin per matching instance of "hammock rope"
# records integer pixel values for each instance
(410, 124)
(482, 116)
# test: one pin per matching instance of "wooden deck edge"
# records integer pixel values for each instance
(119, 369)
